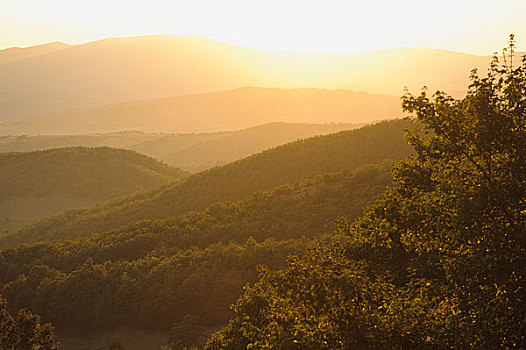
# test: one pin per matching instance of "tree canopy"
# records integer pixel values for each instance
(24, 331)
(156, 272)
(97, 173)
(296, 161)
(436, 262)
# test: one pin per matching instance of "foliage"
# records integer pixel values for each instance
(24, 331)
(156, 272)
(98, 173)
(290, 163)
(153, 291)
(437, 262)
(304, 208)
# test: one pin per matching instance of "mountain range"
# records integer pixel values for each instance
(296, 161)
(58, 78)
(214, 112)
(191, 152)
(146, 261)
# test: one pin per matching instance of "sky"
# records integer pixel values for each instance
(474, 26)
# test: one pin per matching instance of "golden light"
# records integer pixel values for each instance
(292, 25)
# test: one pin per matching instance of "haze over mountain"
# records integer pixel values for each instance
(190, 152)
(15, 54)
(289, 163)
(264, 175)
(148, 67)
(240, 144)
(187, 233)
(216, 111)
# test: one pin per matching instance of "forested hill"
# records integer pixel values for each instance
(96, 173)
(228, 147)
(285, 164)
(153, 273)
(190, 152)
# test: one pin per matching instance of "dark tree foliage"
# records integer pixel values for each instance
(437, 262)
(24, 332)
(154, 273)
(97, 173)
(293, 162)
(186, 334)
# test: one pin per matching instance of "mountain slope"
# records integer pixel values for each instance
(42, 183)
(15, 54)
(126, 69)
(98, 173)
(120, 69)
(292, 162)
(190, 152)
(153, 273)
(154, 145)
(217, 111)
(240, 144)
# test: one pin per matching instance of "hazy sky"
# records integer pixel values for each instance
(477, 26)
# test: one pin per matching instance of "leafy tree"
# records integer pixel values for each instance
(442, 251)
(115, 346)
(24, 332)
(469, 177)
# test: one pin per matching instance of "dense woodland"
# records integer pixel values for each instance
(190, 152)
(97, 173)
(167, 268)
(436, 263)
(344, 245)
(289, 163)
(40, 184)
(24, 330)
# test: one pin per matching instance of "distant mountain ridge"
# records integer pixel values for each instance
(126, 69)
(15, 54)
(289, 163)
(190, 152)
(216, 111)
(98, 173)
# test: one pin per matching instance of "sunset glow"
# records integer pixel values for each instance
(475, 26)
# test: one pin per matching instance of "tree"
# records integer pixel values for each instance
(469, 177)
(24, 332)
(442, 251)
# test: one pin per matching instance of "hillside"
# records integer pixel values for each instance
(153, 273)
(240, 144)
(98, 173)
(42, 183)
(289, 163)
(135, 68)
(190, 152)
(216, 111)
(437, 262)
(154, 145)
(120, 69)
